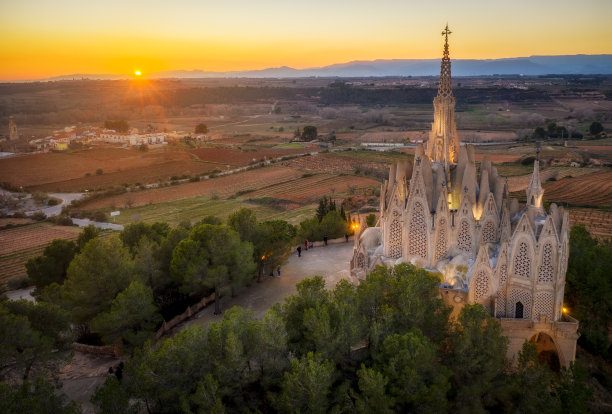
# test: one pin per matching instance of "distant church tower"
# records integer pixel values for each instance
(13, 134)
(443, 143)
(454, 217)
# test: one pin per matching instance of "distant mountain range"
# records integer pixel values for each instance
(532, 65)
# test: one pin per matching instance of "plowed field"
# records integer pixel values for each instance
(240, 158)
(588, 190)
(223, 187)
(19, 244)
(311, 188)
(66, 172)
(521, 182)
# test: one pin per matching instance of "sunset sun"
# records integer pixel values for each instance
(137, 73)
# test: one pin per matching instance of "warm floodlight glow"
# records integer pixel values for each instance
(564, 309)
(137, 73)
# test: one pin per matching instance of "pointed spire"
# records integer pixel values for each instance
(443, 143)
(445, 87)
(535, 192)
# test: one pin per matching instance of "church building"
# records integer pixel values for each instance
(445, 213)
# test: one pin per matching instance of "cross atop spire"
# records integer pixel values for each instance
(445, 33)
(445, 87)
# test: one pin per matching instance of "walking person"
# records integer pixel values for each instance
(325, 240)
(306, 244)
(346, 236)
(299, 250)
(278, 271)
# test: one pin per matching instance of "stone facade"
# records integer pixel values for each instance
(447, 215)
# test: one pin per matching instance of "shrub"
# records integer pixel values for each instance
(98, 216)
(63, 221)
(371, 220)
(528, 160)
(99, 171)
(38, 216)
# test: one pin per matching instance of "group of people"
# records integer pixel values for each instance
(310, 245)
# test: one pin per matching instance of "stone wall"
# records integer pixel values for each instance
(108, 350)
(189, 312)
(115, 350)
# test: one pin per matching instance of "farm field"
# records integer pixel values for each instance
(386, 157)
(521, 182)
(196, 208)
(75, 171)
(222, 187)
(310, 189)
(234, 158)
(19, 244)
(597, 222)
(332, 163)
(593, 190)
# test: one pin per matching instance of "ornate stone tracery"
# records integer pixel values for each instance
(545, 275)
(522, 261)
(544, 305)
(482, 286)
(418, 232)
(395, 236)
(441, 243)
(464, 239)
(489, 233)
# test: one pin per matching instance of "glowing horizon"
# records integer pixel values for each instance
(42, 39)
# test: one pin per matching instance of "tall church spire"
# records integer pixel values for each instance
(445, 88)
(443, 143)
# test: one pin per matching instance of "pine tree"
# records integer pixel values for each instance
(323, 208)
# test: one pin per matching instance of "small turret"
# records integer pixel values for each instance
(535, 192)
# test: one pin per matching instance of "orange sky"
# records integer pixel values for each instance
(44, 38)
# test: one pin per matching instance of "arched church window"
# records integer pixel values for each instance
(464, 240)
(522, 261)
(489, 234)
(441, 243)
(518, 313)
(395, 236)
(545, 275)
(418, 232)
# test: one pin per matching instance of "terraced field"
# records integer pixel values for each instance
(597, 222)
(19, 244)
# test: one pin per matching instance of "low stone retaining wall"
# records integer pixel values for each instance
(115, 350)
(322, 244)
(189, 312)
(107, 350)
